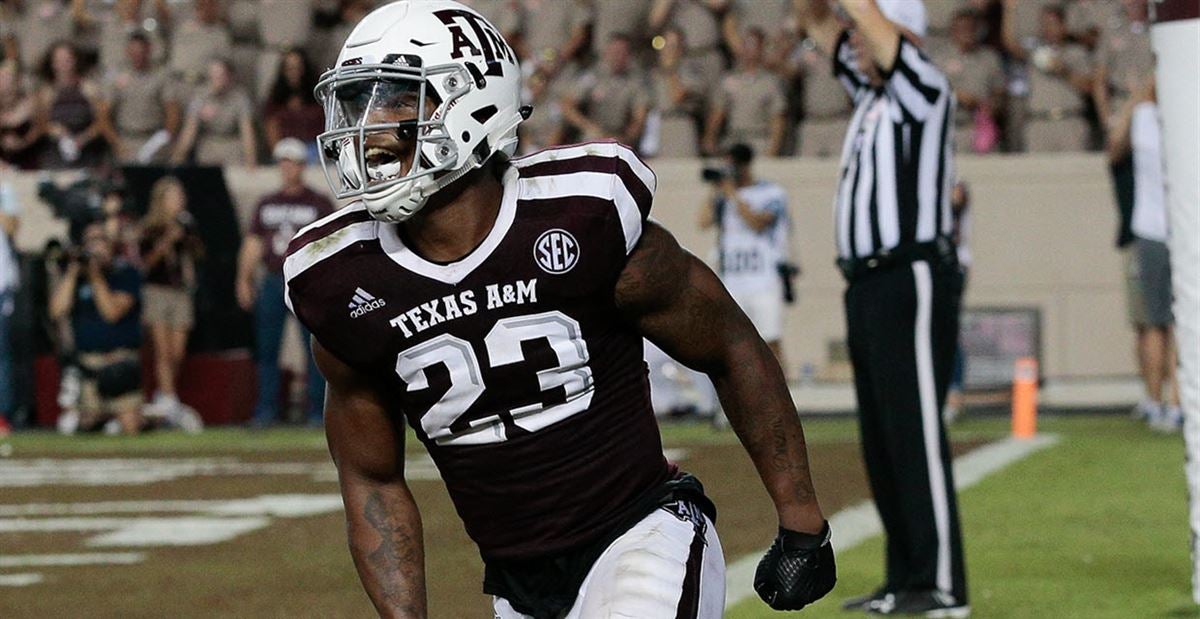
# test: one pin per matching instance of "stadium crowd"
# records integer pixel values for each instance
(96, 83)
(218, 82)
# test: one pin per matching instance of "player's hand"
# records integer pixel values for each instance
(797, 570)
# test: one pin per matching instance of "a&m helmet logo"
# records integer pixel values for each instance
(556, 251)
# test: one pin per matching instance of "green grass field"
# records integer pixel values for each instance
(1095, 526)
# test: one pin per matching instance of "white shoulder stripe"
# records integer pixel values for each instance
(345, 210)
(590, 184)
(640, 169)
(594, 149)
(309, 255)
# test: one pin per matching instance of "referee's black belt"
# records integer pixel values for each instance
(938, 253)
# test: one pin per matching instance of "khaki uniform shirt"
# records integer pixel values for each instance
(770, 16)
(547, 25)
(138, 100)
(1053, 95)
(285, 23)
(1124, 50)
(39, 26)
(691, 81)
(701, 27)
(610, 99)
(220, 114)
(977, 73)
(624, 16)
(824, 96)
(751, 100)
(194, 44)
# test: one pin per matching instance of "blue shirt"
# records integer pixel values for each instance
(92, 332)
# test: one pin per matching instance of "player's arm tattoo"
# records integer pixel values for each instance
(383, 523)
(677, 302)
(393, 569)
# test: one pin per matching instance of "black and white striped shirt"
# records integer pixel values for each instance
(898, 158)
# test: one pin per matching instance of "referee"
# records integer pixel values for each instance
(893, 228)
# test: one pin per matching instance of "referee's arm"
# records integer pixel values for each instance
(882, 36)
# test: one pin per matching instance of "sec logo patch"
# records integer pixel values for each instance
(556, 251)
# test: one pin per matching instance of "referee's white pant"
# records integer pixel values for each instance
(661, 568)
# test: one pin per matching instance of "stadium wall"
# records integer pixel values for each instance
(1042, 236)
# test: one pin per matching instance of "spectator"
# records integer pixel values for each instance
(351, 12)
(750, 104)
(826, 107)
(283, 24)
(1136, 135)
(126, 18)
(1123, 59)
(99, 296)
(752, 218)
(203, 36)
(610, 101)
(773, 17)
(9, 280)
(21, 129)
(678, 95)
(543, 128)
(701, 20)
(36, 25)
(143, 105)
(219, 126)
(978, 80)
(291, 110)
(169, 250)
(552, 33)
(79, 134)
(1060, 76)
(624, 17)
(277, 219)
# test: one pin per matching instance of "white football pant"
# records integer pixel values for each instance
(659, 569)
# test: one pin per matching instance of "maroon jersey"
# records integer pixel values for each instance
(280, 215)
(512, 364)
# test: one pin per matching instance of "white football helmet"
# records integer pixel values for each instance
(423, 92)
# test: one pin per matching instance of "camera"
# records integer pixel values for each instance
(715, 174)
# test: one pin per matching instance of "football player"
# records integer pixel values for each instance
(498, 307)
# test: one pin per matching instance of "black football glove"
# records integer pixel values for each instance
(797, 570)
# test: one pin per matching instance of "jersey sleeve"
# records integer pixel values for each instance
(633, 186)
(314, 270)
(915, 83)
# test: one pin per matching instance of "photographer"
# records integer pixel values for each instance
(753, 229)
(100, 296)
(169, 251)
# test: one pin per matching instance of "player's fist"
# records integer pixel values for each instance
(797, 570)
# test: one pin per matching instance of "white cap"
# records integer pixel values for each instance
(908, 14)
(291, 149)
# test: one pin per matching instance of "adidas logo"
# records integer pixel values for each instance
(363, 302)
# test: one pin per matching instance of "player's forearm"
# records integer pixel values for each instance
(386, 543)
(756, 400)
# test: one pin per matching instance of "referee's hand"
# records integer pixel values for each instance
(797, 570)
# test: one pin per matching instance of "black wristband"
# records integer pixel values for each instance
(795, 540)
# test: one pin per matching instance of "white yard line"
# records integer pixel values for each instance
(91, 558)
(19, 580)
(858, 523)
